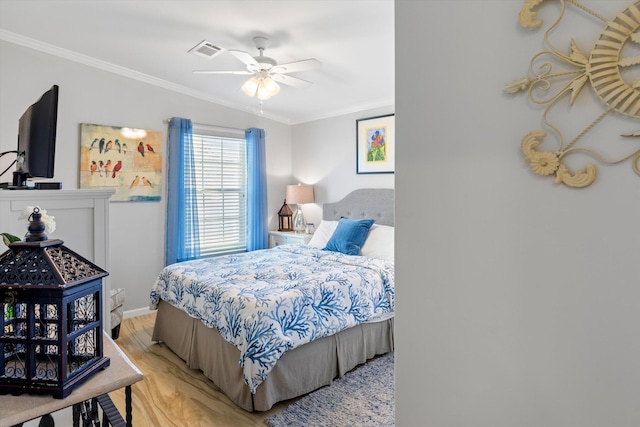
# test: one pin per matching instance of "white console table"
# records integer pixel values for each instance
(82, 222)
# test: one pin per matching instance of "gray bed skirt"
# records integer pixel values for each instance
(298, 372)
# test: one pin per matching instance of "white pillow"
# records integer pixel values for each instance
(379, 243)
(323, 234)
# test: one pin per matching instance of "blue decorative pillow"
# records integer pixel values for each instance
(349, 236)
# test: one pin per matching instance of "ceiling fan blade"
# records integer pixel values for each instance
(244, 57)
(291, 81)
(241, 73)
(294, 67)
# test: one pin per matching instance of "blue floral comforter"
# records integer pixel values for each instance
(269, 301)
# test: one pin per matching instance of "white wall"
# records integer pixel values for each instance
(324, 154)
(517, 298)
(89, 95)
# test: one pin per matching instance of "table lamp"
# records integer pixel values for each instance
(299, 194)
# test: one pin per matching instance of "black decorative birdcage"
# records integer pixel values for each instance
(51, 336)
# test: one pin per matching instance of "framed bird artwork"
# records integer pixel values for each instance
(128, 160)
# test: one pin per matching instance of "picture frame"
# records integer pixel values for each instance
(375, 144)
(124, 159)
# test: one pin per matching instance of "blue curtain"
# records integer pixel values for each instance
(182, 241)
(257, 234)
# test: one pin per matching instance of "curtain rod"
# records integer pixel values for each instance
(213, 127)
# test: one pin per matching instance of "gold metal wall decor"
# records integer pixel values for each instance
(602, 68)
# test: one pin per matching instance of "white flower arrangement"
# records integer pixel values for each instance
(49, 221)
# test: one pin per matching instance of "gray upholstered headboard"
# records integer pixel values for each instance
(375, 203)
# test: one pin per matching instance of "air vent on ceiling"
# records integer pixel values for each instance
(206, 49)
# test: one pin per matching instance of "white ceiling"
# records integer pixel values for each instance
(150, 39)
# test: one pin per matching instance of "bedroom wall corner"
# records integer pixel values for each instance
(324, 154)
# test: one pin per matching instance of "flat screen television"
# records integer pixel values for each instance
(37, 139)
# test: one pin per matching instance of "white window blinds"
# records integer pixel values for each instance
(221, 171)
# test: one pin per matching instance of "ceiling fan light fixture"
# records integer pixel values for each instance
(265, 71)
(262, 87)
(272, 87)
(263, 94)
(267, 88)
(251, 86)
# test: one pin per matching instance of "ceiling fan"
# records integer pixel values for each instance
(266, 72)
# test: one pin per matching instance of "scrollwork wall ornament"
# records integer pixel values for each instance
(602, 69)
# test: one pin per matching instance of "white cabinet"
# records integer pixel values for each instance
(288, 237)
(82, 222)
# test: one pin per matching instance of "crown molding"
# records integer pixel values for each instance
(386, 103)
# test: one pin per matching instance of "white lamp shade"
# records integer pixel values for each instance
(272, 87)
(263, 93)
(299, 194)
(251, 86)
(267, 88)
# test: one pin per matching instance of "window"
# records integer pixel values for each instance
(221, 182)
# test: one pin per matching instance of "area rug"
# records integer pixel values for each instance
(364, 397)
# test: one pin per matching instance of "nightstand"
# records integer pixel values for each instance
(288, 237)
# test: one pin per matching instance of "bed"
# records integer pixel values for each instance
(298, 361)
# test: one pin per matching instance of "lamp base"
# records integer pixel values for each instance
(299, 224)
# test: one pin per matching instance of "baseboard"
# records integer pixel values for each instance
(136, 312)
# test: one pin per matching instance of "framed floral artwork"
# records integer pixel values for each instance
(125, 159)
(375, 144)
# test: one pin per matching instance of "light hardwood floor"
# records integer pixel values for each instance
(172, 394)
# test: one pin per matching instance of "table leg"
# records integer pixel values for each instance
(46, 421)
(76, 414)
(111, 416)
(129, 409)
